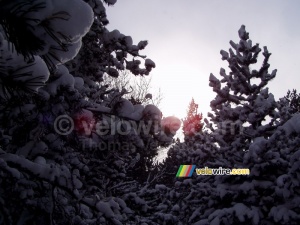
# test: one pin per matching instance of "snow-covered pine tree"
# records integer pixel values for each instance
(48, 174)
(243, 108)
(269, 195)
(37, 37)
(261, 197)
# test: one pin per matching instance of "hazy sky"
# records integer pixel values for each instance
(185, 39)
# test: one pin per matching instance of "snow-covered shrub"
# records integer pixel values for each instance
(70, 147)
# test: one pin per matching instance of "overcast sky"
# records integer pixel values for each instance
(185, 39)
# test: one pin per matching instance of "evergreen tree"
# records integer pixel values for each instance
(269, 195)
(243, 108)
(192, 123)
(70, 147)
(293, 99)
(75, 151)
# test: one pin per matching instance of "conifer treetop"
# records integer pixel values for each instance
(243, 100)
(239, 81)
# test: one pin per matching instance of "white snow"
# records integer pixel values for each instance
(111, 37)
(105, 208)
(242, 33)
(149, 63)
(35, 74)
(65, 79)
(142, 44)
(128, 41)
(214, 82)
(40, 160)
(282, 214)
(137, 113)
(125, 108)
(99, 108)
(79, 82)
(224, 54)
(44, 171)
(65, 56)
(152, 112)
(292, 125)
(110, 2)
(78, 19)
(67, 24)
